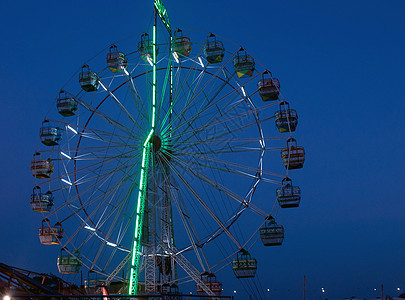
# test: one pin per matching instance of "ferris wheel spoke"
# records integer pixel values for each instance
(218, 136)
(140, 104)
(175, 196)
(237, 141)
(221, 188)
(99, 184)
(187, 106)
(100, 163)
(161, 109)
(85, 153)
(178, 92)
(228, 166)
(206, 207)
(195, 240)
(105, 117)
(188, 123)
(114, 209)
(180, 117)
(91, 134)
(121, 106)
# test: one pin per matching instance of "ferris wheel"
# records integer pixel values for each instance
(150, 157)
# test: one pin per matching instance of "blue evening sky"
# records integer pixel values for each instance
(341, 63)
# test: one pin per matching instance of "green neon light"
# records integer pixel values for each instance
(134, 277)
(133, 282)
(162, 12)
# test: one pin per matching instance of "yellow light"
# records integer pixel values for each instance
(6, 297)
(176, 57)
(149, 60)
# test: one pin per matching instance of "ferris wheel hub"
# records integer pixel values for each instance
(157, 143)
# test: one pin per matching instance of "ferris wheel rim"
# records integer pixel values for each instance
(234, 217)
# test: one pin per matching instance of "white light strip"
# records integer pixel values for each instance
(65, 155)
(71, 129)
(67, 182)
(201, 62)
(102, 85)
(89, 228)
(243, 91)
(149, 60)
(126, 72)
(176, 57)
(111, 244)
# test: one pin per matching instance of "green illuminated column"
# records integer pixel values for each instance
(143, 183)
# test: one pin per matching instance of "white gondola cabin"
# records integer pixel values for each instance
(50, 134)
(41, 168)
(88, 79)
(293, 156)
(181, 44)
(214, 50)
(288, 195)
(244, 266)
(243, 63)
(66, 104)
(116, 60)
(210, 280)
(286, 119)
(271, 233)
(50, 235)
(41, 202)
(269, 87)
(69, 263)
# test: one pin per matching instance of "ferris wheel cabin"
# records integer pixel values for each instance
(181, 44)
(271, 233)
(41, 202)
(116, 60)
(244, 266)
(66, 104)
(69, 263)
(288, 195)
(50, 235)
(286, 119)
(269, 87)
(50, 134)
(293, 156)
(145, 47)
(244, 64)
(88, 79)
(41, 168)
(214, 50)
(93, 285)
(210, 280)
